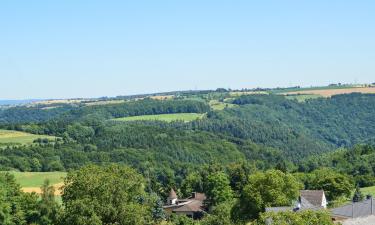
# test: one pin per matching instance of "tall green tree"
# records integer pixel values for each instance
(358, 195)
(105, 195)
(334, 184)
(48, 207)
(292, 218)
(266, 189)
(16, 207)
(217, 189)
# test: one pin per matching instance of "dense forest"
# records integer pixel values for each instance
(306, 143)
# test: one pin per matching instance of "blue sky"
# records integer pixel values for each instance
(89, 48)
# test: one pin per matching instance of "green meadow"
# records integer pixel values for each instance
(36, 179)
(186, 117)
(11, 137)
(302, 97)
(368, 191)
(217, 105)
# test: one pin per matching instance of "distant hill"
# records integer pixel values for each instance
(18, 102)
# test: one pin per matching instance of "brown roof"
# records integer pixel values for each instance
(193, 206)
(313, 197)
(172, 194)
(200, 196)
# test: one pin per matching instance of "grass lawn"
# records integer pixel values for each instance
(186, 117)
(11, 137)
(368, 191)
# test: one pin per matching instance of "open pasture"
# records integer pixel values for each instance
(32, 181)
(186, 117)
(217, 105)
(10, 137)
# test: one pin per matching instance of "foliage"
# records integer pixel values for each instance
(358, 196)
(49, 208)
(300, 129)
(16, 207)
(358, 162)
(105, 195)
(292, 218)
(217, 189)
(193, 182)
(334, 184)
(266, 189)
(219, 215)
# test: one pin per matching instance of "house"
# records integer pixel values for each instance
(354, 210)
(308, 200)
(313, 199)
(192, 207)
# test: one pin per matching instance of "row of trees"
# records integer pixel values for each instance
(118, 195)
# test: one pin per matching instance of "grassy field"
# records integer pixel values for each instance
(302, 98)
(10, 137)
(216, 105)
(186, 117)
(32, 181)
(288, 90)
(36, 179)
(369, 191)
(240, 93)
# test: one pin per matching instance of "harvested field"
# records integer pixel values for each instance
(37, 190)
(331, 92)
(162, 97)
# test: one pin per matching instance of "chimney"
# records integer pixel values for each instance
(193, 195)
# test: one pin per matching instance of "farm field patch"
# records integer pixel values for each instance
(302, 97)
(10, 137)
(32, 181)
(186, 117)
(216, 105)
(331, 92)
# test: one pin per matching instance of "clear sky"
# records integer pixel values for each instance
(90, 48)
